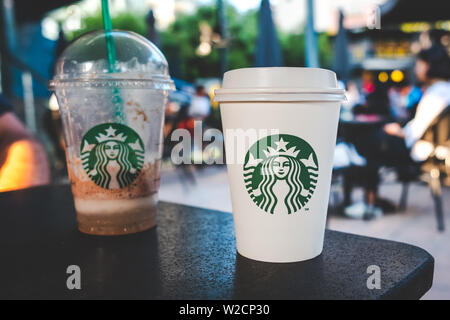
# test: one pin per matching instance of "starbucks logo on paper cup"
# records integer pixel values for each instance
(280, 173)
(112, 155)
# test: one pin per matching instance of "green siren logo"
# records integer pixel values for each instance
(112, 155)
(280, 173)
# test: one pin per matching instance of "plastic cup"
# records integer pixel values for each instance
(280, 177)
(113, 124)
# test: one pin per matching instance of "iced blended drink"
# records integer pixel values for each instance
(280, 177)
(113, 123)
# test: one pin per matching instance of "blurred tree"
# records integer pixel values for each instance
(125, 20)
(181, 40)
(243, 31)
(293, 49)
(325, 50)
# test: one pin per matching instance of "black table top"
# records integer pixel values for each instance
(190, 255)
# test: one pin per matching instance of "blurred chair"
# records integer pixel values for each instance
(436, 169)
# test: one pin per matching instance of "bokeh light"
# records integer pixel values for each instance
(383, 77)
(397, 76)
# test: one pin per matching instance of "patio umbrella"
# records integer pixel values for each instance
(268, 51)
(341, 63)
(153, 34)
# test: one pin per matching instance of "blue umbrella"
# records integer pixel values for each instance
(268, 51)
(341, 63)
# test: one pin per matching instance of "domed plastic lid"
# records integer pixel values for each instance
(138, 63)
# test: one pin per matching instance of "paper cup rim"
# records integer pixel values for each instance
(279, 94)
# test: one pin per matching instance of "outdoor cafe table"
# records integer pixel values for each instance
(190, 255)
(360, 125)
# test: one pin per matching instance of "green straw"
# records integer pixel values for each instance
(111, 50)
(107, 25)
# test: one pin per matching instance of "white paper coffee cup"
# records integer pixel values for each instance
(280, 129)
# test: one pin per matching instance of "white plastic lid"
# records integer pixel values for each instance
(138, 63)
(279, 84)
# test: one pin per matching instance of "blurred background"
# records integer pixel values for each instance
(391, 56)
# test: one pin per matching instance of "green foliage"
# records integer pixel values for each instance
(125, 21)
(293, 48)
(243, 30)
(325, 50)
(181, 39)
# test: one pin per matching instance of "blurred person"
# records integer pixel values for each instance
(374, 97)
(23, 162)
(403, 100)
(397, 103)
(394, 145)
(368, 85)
(376, 101)
(200, 107)
(199, 110)
(413, 95)
(353, 95)
(433, 70)
(353, 98)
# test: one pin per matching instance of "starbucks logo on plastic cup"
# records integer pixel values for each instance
(112, 155)
(280, 173)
